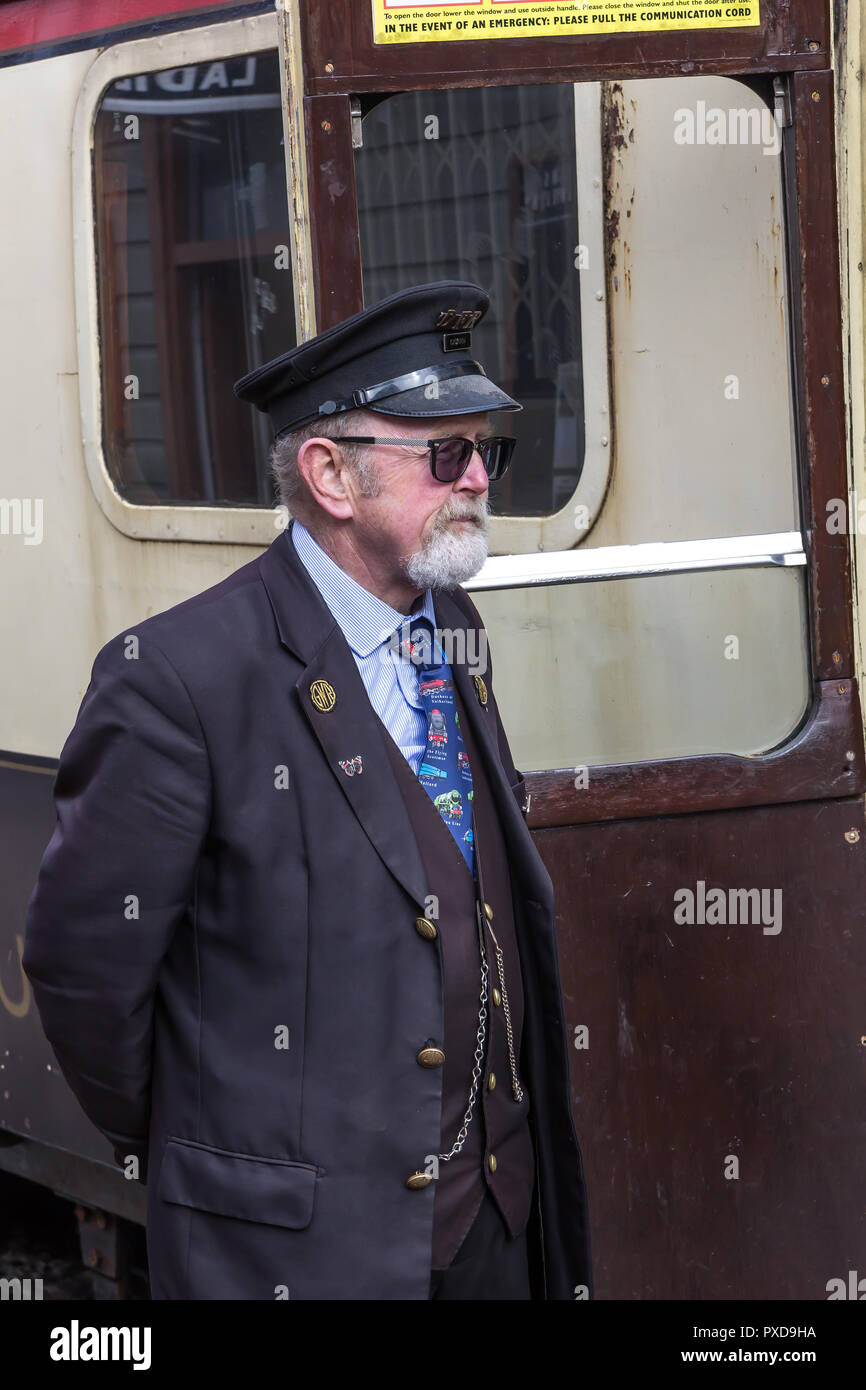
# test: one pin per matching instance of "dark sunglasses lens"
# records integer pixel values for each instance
(451, 458)
(496, 454)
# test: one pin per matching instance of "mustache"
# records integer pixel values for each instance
(475, 509)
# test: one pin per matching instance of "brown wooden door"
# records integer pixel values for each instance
(709, 906)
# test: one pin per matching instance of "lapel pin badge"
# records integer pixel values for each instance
(352, 765)
(480, 690)
(323, 696)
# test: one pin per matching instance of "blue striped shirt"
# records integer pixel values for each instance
(367, 624)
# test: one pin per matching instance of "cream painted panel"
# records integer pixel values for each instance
(631, 670)
(696, 294)
(63, 598)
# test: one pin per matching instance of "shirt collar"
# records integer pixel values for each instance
(366, 621)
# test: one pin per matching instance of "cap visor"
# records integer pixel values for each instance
(462, 395)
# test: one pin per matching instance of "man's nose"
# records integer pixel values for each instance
(475, 478)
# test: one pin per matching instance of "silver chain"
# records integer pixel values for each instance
(476, 1070)
(517, 1089)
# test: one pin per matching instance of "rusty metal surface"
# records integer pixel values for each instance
(74, 1178)
(712, 1042)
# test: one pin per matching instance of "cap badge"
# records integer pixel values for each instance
(458, 319)
(323, 696)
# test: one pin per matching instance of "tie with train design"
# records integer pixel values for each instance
(445, 773)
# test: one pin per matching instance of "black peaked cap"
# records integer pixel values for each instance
(411, 352)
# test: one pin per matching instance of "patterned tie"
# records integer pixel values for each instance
(445, 773)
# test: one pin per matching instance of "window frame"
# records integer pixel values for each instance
(528, 549)
(520, 534)
(824, 757)
(180, 522)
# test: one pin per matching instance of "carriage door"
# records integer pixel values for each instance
(651, 204)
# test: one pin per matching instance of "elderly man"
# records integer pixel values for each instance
(291, 940)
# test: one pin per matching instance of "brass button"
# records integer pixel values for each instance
(491, 1163)
(488, 912)
(431, 1057)
(491, 1081)
(418, 1180)
(497, 997)
(424, 927)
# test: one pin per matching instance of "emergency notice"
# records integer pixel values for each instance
(433, 21)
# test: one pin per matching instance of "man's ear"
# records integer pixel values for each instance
(324, 470)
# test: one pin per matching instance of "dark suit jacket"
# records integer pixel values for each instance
(222, 948)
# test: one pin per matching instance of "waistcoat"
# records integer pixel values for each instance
(497, 1153)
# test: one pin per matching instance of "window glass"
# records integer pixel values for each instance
(703, 427)
(673, 421)
(631, 670)
(694, 414)
(481, 185)
(194, 274)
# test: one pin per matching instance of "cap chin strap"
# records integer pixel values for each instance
(423, 377)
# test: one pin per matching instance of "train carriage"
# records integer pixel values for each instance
(649, 193)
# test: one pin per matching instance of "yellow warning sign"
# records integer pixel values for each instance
(435, 21)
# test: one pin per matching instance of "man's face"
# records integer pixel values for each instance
(430, 533)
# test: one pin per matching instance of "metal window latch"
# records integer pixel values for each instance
(781, 103)
(355, 112)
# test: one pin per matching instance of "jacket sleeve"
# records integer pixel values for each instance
(133, 802)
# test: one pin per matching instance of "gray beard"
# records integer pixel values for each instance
(449, 556)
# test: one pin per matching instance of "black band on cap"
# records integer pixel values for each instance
(396, 384)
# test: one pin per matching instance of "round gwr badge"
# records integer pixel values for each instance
(481, 689)
(323, 696)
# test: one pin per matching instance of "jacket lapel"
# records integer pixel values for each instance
(349, 731)
(340, 715)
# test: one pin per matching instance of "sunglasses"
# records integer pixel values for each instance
(449, 458)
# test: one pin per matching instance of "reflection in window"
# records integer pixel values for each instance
(194, 276)
(481, 185)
